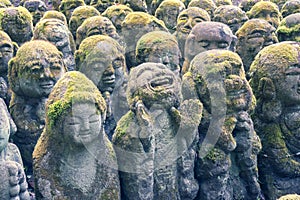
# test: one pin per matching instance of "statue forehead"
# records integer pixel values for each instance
(255, 24)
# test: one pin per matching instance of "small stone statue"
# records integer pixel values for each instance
(290, 7)
(13, 181)
(246, 5)
(136, 5)
(17, 23)
(155, 141)
(55, 31)
(102, 5)
(73, 158)
(56, 15)
(159, 47)
(253, 36)
(275, 81)
(102, 60)
(208, 5)
(37, 8)
(289, 28)
(68, 6)
(32, 74)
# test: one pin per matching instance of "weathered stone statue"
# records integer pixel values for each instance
(290, 197)
(102, 5)
(253, 36)
(155, 141)
(32, 74)
(289, 28)
(55, 31)
(37, 8)
(136, 5)
(134, 26)
(266, 10)
(206, 36)
(186, 20)
(246, 5)
(5, 4)
(223, 3)
(80, 14)
(116, 14)
(231, 15)
(56, 15)
(290, 7)
(68, 6)
(275, 83)
(96, 25)
(226, 166)
(102, 60)
(208, 5)
(73, 158)
(13, 181)
(17, 23)
(168, 12)
(159, 47)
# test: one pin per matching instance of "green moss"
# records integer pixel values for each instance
(290, 197)
(109, 12)
(141, 18)
(5, 4)
(123, 126)
(216, 155)
(260, 6)
(21, 14)
(56, 15)
(207, 5)
(289, 25)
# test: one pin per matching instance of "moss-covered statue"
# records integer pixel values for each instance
(206, 36)
(290, 7)
(253, 36)
(17, 23)
(290, 197)
(231, 15)
(289, 28)
(102, 5)
(134, 26)
(55, 31)
(266, 10)
(208, 5)
(168, 12)
(136, 5)
(159, 47)
(97, 25)
(13, 181)
(275, 82)
(5, 4)
(73, 158)
(32, 74)
(67, 7)
(223, 3)
(37, 8)
(186, 20)
(56, 15)
(155, 141)
(8, 49)
(102, 60)
(79, 15)
(246, 5)
(226, 166)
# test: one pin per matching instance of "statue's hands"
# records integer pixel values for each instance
(142, 114)
(191, 112)
(244, 122)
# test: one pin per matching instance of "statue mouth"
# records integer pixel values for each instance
(185, 30)
(236, 93)
(109, 80)
(47, 85)
(161, 83)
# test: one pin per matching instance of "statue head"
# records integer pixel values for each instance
(266, 10)
(8, 49)
(153, 83)
(136, 5)
(223, 3)
(102, 5)
(5, 4)
(17, 23)
(290, 7)
(37, 8)
(208, 5)
(289, 28)
(56, 15)
(246, 5)
(231, 15)
(35, 69)
(159, 47)
(253, 36)
(80, 14)
(168, 12)
(68, 6)
(101, 59)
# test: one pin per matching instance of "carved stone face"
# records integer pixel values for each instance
(68, 6)
(4, 128)
(290, 7)
(37, 8)
(207, 5)
(7, 52)
(117, 14)
(289, 28)
(82, 124)
(206, 36)
(137, 5)
(102, 5)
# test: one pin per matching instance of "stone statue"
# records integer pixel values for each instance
(231, 15)
(290, 197)
(253, 36)
(208, 5)
(102, 60)
(13, 181)
(226, 166)
(37, 8)
(223, 3)
(73, 158)
(5, 4)
(136, 5)
(266, 10)
(206, 36)
(67, 7)
(290, 7)
(168, 12)
(155, 141)
(289, 28)
(97, 25)
(134, 26)
(116, 14)
(32, 74)
(159, 47)
(17, 23)
(186, 20)
(56, 15)
(80, 14)
(55, 31)
(102, 5)
(246, 5)
(275, 82)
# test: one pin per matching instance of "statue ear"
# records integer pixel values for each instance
(233, 43)
(77, 56)
(13, 75)
(16, 47)
(188, 87)
(189, 46)
(266, 89)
